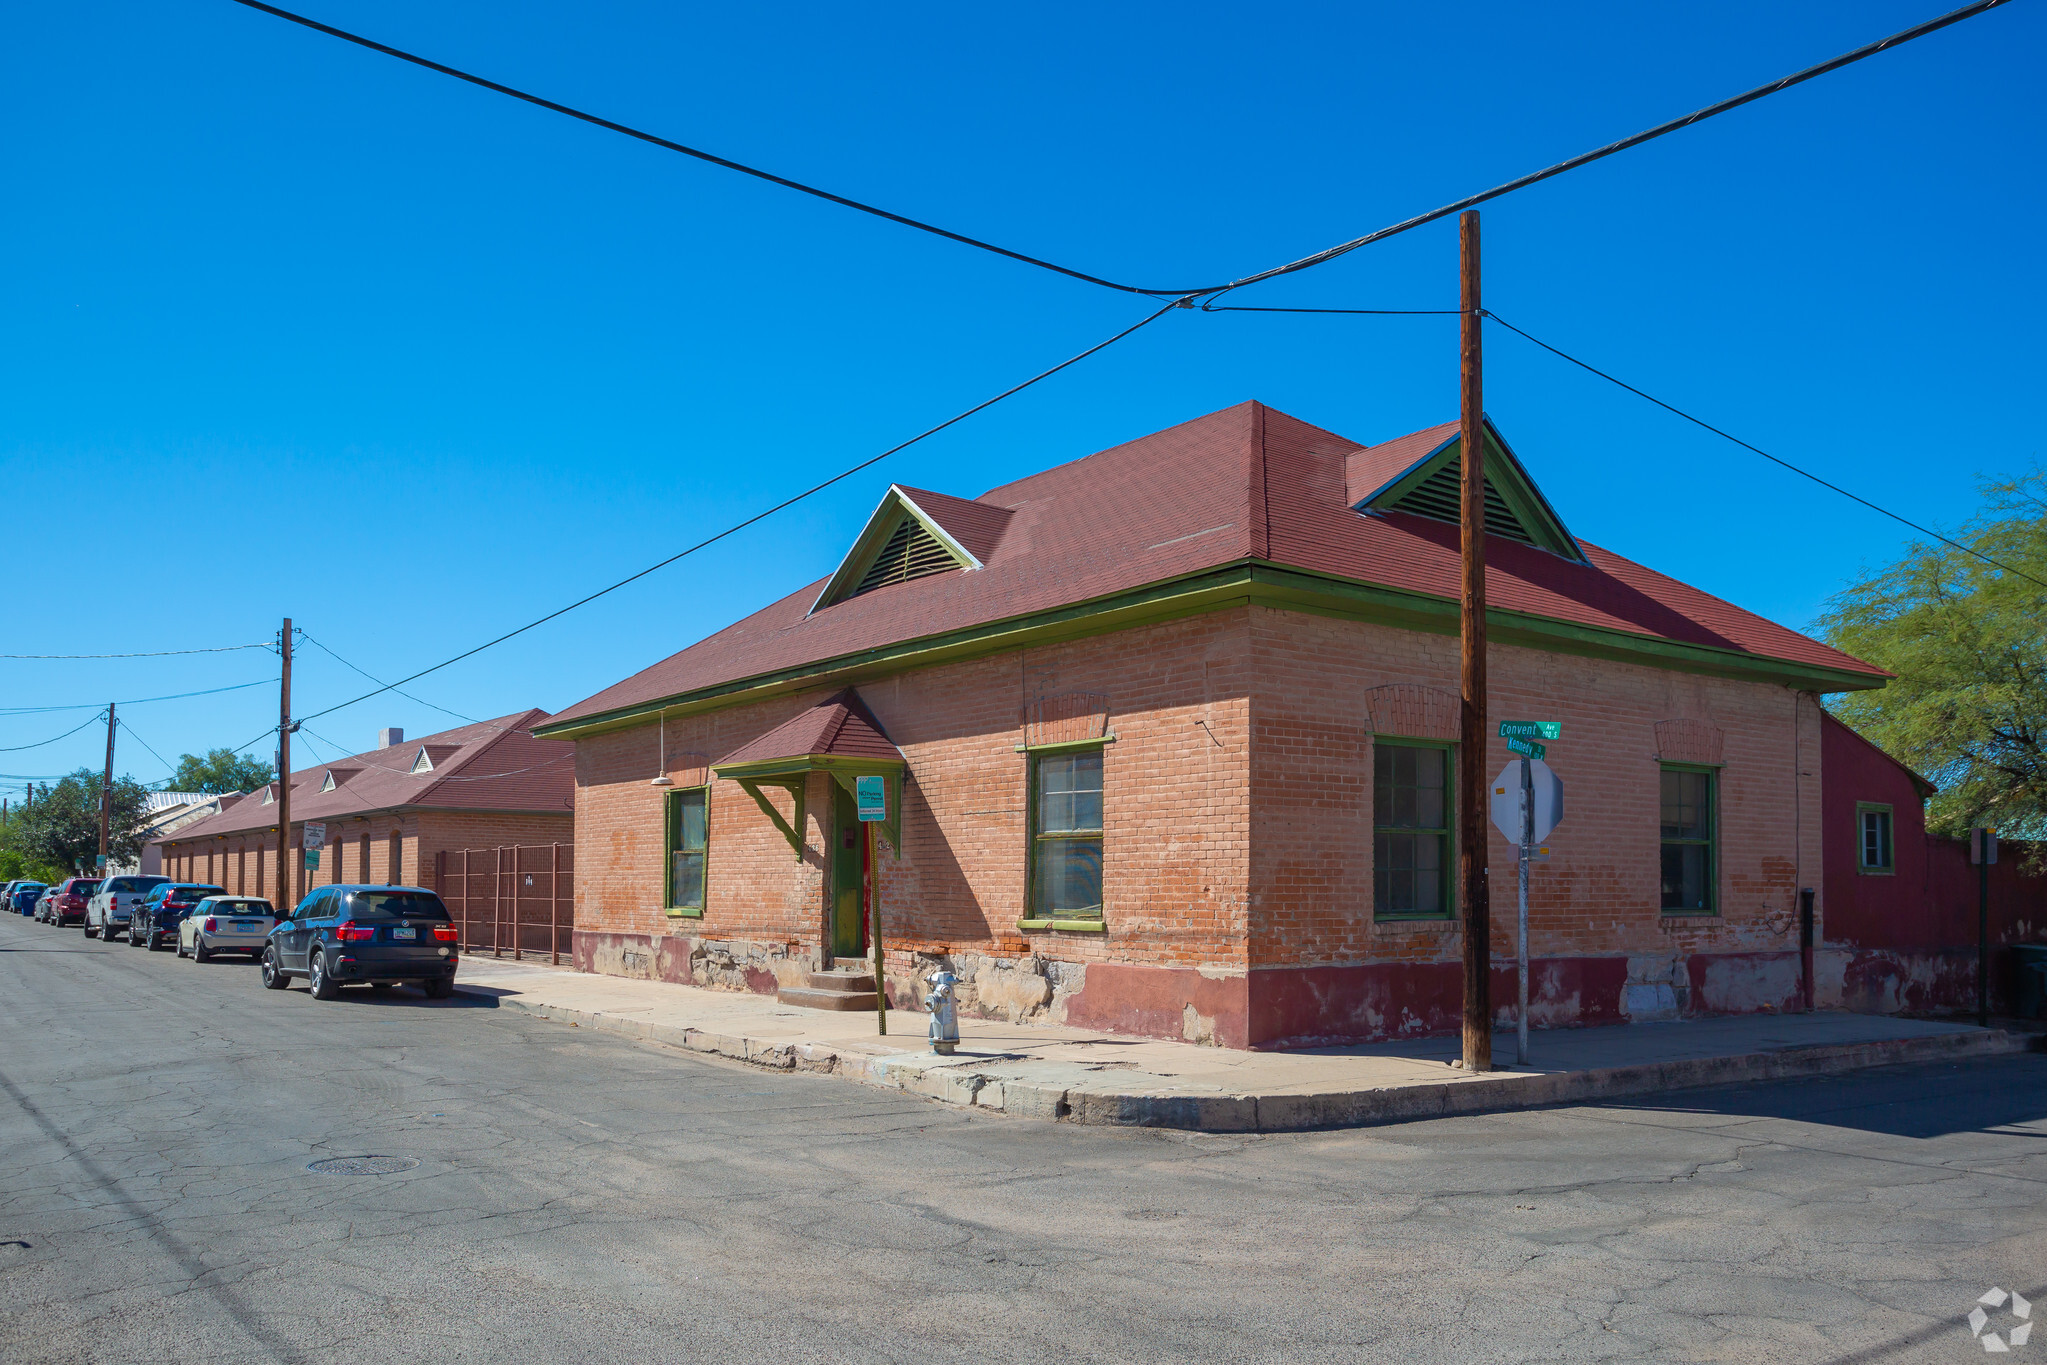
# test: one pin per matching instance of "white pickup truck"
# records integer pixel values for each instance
(107, 912)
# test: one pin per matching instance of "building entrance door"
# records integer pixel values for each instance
(849, 876)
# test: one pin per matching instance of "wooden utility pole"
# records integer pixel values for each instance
(107, 790)
(287, 875)
(1471, 769)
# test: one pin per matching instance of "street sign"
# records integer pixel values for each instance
(1531, 729)
(870, 794)
(312, 860)
(1982, 845)
(1528, 747)
(1506, 800)
(316, 837)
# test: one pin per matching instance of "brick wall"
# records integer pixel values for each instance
(393, 847)
(1237, 842)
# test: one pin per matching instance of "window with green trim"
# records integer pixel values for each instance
(1410, 830)
(1873, 832)
(1689, 854)
(688, 830)
(1066, 835)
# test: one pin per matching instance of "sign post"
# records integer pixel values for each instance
(870, 798)
(1982, 852)
(1527, 819)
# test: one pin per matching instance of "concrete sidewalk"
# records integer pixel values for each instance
(1082, 1076)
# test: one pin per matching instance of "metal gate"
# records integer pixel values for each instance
(518, 898)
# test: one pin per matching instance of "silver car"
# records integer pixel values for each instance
(107, 912)
(226, 924)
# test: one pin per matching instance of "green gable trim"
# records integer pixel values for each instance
(896, 509)
(1515, 507)
(1244, 583)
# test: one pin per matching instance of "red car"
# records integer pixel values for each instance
(67, 902)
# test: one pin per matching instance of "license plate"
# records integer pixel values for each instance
(246, 924)
(406, 932)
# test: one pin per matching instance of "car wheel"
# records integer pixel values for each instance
(90, 931)
(199, 951)
(325, 987)
(153, 942)
(274, 978)
(439, 988)
(133, 942)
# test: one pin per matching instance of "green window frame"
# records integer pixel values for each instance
(686, 878)
(1689, 815)
(1875, 847)
(1414, 822)
(1065, 810)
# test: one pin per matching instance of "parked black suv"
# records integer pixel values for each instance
(154, 921)
(379, 934)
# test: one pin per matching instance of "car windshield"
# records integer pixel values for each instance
(84, 888)
(235, 907)
(28, 886)
(128, 886)
(193, 893)
(396, 905)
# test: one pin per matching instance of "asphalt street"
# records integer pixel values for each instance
(582, 1197)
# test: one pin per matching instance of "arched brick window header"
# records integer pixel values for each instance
(1689, 741)
(1413, 710)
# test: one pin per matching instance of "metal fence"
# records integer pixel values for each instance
(520, 898)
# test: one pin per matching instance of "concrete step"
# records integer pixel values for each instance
(826, 999)
(840, 980)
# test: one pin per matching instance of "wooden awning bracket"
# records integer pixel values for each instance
(794, 786)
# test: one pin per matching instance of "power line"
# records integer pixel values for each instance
(375, 679)
(1368, 312)
(136, 701)
(168, 765)
(737, 527)
(1897, 39)
(1773, 459)
(17, 748)
(147, 654)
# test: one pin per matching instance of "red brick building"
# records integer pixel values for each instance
(389, 811)
(1168, 742)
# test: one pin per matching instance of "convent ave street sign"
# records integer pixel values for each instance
(1531, 729)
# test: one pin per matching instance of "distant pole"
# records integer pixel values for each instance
(1984, 846)
(107, 789)
(287, 875)
(1471, 783)
(874, 935)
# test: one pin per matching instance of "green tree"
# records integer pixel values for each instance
(62, 829)
(222, 770)
(1968, 708)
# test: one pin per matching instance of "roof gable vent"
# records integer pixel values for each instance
(424, 763)
(328, 784)
(1441, 496)
(270, 795)
(911, 551)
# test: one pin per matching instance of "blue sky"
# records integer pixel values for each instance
(291, 328)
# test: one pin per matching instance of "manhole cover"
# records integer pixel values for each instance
(364, 1165)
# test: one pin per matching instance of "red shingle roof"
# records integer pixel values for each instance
(1246, 483)
(841, 726)
(491, 765)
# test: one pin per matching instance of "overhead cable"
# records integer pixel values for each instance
(17, 748)
(1773, 459)
(791, 501)
(1897, 39)
(171, 767)
(375, 679)
(136, 701)
(146, 654)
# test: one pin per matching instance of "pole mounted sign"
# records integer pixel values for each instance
(870, 795)
(1531, 729)
(1527, 804)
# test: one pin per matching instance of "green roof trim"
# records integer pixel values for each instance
(921, 554)
(1243, 583)
(1515, 507)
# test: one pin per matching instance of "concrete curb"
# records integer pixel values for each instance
(998, 1086)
